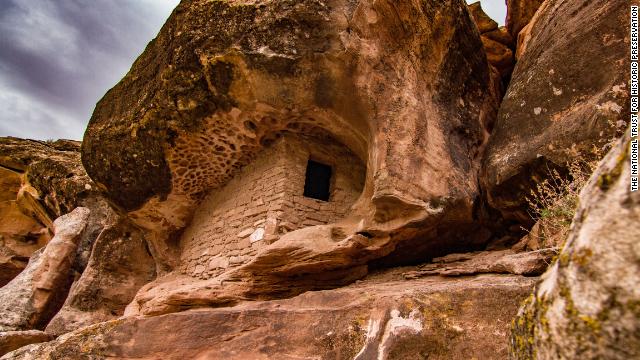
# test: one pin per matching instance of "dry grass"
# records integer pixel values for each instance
(553, 203)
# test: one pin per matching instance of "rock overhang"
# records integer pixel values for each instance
(223, 79)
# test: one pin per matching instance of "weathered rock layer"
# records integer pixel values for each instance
(375, 319)
(31, 299)
(568, 94)
(40, 182)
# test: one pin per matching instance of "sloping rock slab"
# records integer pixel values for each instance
(31, 299)
(12, 340)
(375, 319)
(588, 304)
(119, 265)
(532, 263)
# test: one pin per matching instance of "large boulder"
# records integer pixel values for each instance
(39, 181)
(568, 94)
(31, 299)
(52, 174)
(384, 317)
(587, 305)
(120, 264)
(403, 84)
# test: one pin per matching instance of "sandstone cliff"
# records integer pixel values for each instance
(333, 180)
(557, 108)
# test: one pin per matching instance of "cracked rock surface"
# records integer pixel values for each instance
(385, 317)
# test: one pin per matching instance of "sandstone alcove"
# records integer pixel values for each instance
(293, 183)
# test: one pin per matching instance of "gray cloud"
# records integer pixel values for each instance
(58, 57)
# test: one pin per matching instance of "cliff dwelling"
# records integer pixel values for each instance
(296, 182)
(345, 180)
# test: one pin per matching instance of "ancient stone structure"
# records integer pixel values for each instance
(267, 199)
(331, 179)
(304, 69)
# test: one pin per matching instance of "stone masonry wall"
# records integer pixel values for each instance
(265, 200)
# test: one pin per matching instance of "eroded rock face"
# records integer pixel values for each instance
(485, 23)
(31, 299)
(402, 85)
(532, 263)
(39, 181)
(12, 340)
(383, 317)
(498, 44)
(53, 175)
(587, 303)
(519, 13)
(20, 235)
(568, 94)
(499, 56)
(120, 264)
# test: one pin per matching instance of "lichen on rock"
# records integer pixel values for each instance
(586, 303)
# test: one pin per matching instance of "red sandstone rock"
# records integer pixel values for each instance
(39, 181)
(497, 43)
(502, 36)
(20, 235)
(484, 22)
(119, 265)
(568, 94)
(224, 110)
(384, 317)
(52, 174)
(531, 263)
(586, 306)
(499, 55)
(519, 13)
(33, 297)
(402, 87)
(12, 340)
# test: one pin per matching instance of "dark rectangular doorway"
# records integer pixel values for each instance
(317, 181)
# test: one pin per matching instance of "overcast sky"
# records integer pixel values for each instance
(59, 57)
